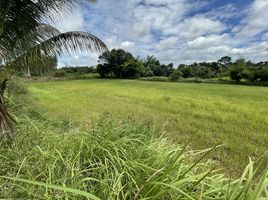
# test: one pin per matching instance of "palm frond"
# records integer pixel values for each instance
(36, 36)
(3, 52)
(27, 14)
(62, 44)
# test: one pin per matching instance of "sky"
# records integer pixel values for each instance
(175, 31)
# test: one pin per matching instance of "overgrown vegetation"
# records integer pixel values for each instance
(113, 160)
(203, 114)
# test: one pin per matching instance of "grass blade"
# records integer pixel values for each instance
(56, 187)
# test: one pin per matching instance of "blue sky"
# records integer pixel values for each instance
(175, 31)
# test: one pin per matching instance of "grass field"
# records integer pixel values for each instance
(202, 114)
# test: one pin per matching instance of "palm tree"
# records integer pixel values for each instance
(25, 39)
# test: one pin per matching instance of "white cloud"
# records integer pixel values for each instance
(256, 20)
(209, 41)
(198, 26)
(84, 59)
(127, 45)
(73, 21)
(174, 30)
(166, 43)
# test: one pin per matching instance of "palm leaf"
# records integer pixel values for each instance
(62, 44)
(34, 37)
(19, 17)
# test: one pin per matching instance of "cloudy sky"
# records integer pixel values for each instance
(175, 31)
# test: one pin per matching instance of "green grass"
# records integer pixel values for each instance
(202, 114)
(113, 160)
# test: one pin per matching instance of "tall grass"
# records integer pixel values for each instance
(113, 160)
(204, 114)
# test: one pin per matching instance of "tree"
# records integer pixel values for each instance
(112, 64)
(260, 74)
(264, 74)
(176, 75)
(187, 72)
(104, 70)
(225, 61)
(25, 40)
(166, 70)
(153, 65)
(204, 72)
(133, 69)
(238, 70)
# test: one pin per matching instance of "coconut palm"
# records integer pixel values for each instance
(25, 39)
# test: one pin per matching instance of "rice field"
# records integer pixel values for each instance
(203, 115)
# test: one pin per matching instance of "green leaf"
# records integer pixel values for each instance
(56, 187)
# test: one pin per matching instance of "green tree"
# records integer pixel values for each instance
(133, 69)
(225, 61)
(260, 74)
(204, 72)
(113, 64)
(25, 40)
(176, 75)
(187, 72)
(153, 65)
(237, 71)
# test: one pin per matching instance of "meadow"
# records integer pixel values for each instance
(201, 115)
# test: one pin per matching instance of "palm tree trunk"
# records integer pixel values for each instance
(6, 121)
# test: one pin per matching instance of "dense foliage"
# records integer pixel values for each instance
(122, 64)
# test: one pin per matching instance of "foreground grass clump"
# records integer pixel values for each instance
(203, 114)
(113, 160)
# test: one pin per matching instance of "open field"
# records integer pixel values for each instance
(202, 114)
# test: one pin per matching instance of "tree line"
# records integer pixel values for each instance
(121, 64)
